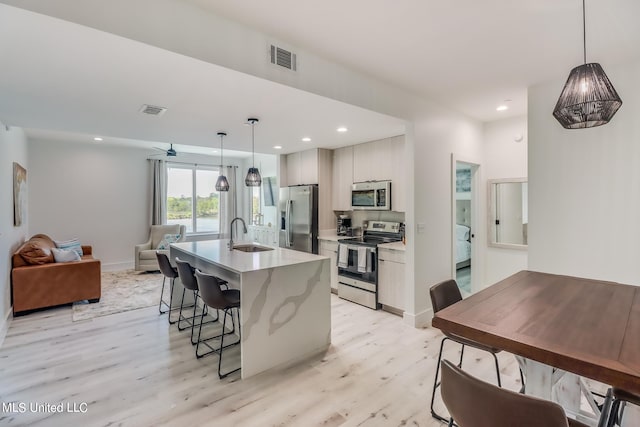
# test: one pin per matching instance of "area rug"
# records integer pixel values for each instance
(122, 291)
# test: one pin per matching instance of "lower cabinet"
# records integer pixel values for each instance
(329, 248)
(391, 278)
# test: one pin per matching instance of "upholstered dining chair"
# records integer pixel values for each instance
(443, 295)
(475, 403)
(145, 253)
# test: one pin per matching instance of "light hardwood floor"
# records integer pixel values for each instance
(133, 369)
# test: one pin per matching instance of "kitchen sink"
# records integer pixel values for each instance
(251, 248)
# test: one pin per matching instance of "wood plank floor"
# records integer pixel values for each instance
(132, 369)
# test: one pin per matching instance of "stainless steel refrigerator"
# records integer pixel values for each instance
(298, 208)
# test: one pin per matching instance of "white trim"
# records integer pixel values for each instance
(118, 266)
(4, 327)
(419, 320)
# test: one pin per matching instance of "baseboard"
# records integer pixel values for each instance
(118, 266)
(418, 320)
(4, 326)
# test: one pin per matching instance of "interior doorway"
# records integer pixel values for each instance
(464, 224)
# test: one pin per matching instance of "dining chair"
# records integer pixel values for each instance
(475, 403)
(620, 398)
(225, 300)
(443, 295)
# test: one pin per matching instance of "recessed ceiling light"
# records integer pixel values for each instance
(342, 129)
(97, 138)
(306, 139)
(278, 147)
(502, 108)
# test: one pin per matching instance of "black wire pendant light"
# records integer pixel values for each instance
(588, 98)
(222, 184)
(253, 178)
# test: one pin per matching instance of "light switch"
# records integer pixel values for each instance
(420, 227)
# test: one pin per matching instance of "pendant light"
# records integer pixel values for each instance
(222, 184)
(253, 178)
(588, 98)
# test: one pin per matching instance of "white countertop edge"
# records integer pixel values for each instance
(394, 246)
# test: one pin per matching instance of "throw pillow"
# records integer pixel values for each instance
(167, 240)
(73, 244)
(36, 251)
(65, 255)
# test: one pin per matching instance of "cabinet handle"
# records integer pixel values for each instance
(380, 259)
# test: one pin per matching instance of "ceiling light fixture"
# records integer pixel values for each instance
(97, 138)
(502, 108)
(278, 147)
(253, 178)
(306, 139)
(588, 98)
(342, 129)
(222, 184)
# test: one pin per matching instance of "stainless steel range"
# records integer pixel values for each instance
(358, 262)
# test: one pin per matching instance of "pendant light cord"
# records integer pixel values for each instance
(253, 142)
(584, 33)
(221, 152)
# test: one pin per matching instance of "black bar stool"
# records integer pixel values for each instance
(168, 271)
(189, 282)
(225, 300)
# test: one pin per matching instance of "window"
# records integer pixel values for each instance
(200, 214)
(256, 217)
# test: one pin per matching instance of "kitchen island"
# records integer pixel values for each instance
(285, 307)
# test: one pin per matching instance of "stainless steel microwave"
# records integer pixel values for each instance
(372, 195)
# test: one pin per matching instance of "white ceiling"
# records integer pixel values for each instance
(60, 80)
(469, 54)
(67, 79)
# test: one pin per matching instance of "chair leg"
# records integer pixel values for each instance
(461, 356)
(173, 280)
(198, 355)
(436, 384)
(495, 358)
(164, 278)
(220, 374)
(180, 316)
(614, 415)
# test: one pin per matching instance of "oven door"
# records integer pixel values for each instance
(357, 281)
(363, 198)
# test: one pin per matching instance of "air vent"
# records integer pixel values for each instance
(283, 58)
(152, 110)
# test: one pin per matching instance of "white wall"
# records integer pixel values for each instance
(584, 187)
(13, 147)
(96, 192)
(503, 158)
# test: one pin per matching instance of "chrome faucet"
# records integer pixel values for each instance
(244, 228)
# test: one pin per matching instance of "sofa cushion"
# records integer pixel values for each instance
(65, 255)
(148, 254)
(71, 244)
(37, 250)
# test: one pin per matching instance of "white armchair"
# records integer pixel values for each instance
(145, 253)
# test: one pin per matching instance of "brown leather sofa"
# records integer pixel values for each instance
(37, 281)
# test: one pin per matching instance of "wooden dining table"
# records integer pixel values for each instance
(590, 328)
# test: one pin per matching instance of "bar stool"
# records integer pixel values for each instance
(620, 397)
(226, 300)
(168, 271)
(443, 295)
(188, 279)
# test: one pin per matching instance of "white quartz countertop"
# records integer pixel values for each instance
(394, 246)
(217, 252)
(332, 237)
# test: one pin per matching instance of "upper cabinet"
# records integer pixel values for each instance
(302, 168)
(382, 160)
(342, 178)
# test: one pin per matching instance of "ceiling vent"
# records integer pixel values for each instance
(283, 58)
(152, 110)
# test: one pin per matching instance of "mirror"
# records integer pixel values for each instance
(508, 213)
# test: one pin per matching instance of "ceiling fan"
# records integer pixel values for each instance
(170, 152)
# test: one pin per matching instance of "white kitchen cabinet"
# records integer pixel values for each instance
(302, 168)
(391, 278)
(342, 178)
(329, 248)
(398, 174)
